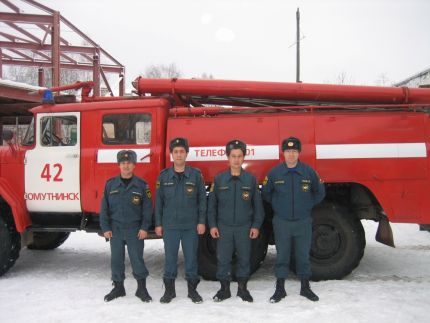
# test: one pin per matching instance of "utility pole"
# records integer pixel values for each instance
(298, 47)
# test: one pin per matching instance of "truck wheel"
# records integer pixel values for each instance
(338, 242)
(208, 260)
(10, 245)
(47, 240)
(207, 257)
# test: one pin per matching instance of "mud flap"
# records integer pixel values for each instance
(384, 234)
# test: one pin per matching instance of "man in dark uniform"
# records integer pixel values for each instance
(293, 188)
(125, 217)
(180, 215)
(235, 215)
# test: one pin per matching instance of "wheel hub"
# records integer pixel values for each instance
(326, 242)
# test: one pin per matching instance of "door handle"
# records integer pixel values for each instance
(72, 155)
(146, 156)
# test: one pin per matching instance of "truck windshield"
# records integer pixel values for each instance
(29, 135)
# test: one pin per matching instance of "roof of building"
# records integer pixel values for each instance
(17, 98)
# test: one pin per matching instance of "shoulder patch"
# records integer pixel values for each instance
(157, 185)
(266, 179)
(212, 187)
(148, 193)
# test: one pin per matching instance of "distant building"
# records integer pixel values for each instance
(421, 79)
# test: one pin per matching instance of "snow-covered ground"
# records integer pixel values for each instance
(68, 285)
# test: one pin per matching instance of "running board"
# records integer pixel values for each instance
(50, 229)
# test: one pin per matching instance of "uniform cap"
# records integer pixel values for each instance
(179, 142)
(235, 144)
(292, 143)
(126, 155)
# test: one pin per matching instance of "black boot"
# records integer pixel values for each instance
(224, 292)
(142, 292)
(117, 291)
(242, 290)
(192, 292)
(280, 292)
(307, 292)
(170, 292)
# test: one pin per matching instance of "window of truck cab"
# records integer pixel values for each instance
(29, 135)
(58, 131)
(126, 129)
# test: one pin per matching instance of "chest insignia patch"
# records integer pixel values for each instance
(135, 199)
(189, 189)
(245, 195)
(305, 187)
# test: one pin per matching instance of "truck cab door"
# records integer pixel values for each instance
(52, 168)
(130, 129)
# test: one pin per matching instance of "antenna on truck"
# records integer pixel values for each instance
(298, 46)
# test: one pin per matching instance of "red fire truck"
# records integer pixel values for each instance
(369, 144)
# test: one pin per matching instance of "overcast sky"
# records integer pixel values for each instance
(254, 39)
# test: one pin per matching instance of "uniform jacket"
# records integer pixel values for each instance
(127, 207)
(293, 193)
(180, 204)
(235, 202)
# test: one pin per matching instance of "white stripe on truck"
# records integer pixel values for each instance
(217, 153)
(271, 152)
(109, 155)
(392, 150)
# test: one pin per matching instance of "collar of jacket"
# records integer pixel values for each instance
(298, 168)
(117, 182)
(230, 177)
(171, 172)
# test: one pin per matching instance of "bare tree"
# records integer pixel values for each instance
(162, 71)
(21, 74)
(383, 80)
(342, 78)
(29, 75)
(68, 76)
(205, 75)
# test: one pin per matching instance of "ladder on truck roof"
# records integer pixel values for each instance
(197, 97)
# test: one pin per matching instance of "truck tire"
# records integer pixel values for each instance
(47, 240)
(208, 261)
(338, 242)
(10, 245)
